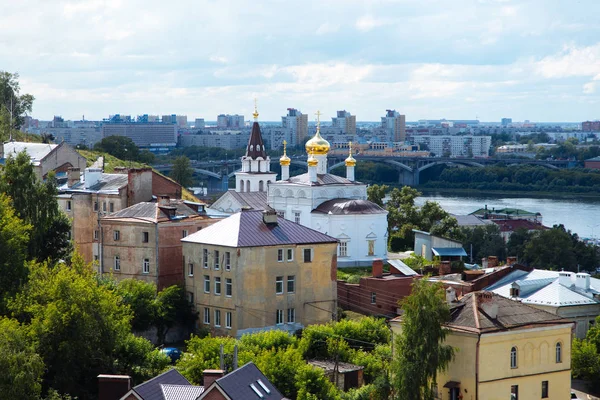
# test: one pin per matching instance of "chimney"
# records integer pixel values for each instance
(164, 201)
(564, 278)
(377, 268)
(450, 295)
(445, 268)
(582, 281)
(484, 263)
(91, 177)
(73, 176)
(139, 185)
(113, 387)
(211, 375)
(511, 260)
(487, 304)
(492, 262)
(270, 217)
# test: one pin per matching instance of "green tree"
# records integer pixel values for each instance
(35, 203)
(119, 146)
(13, 105)
(551, 249)
(420, 352)
(485, 241)
(22, 368)
(312, 384)
(376, 193)
(139, 296)
(517, 242)
(182, 171)
(171, 307)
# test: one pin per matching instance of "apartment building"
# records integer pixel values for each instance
(455, 146)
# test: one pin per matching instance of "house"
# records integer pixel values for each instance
(575, 296)
(430, 246)
(504, 350)
(379, 293)
(255, 271)
(345, 376)
(592, 163)
(46, 157)
(509, 226)
(471, 221)
(244, 383)
(143, 241)
(170, 385)
(507, 213)
(233, 201)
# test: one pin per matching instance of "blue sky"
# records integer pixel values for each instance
(460, 59)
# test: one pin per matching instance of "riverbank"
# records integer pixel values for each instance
(504, 193)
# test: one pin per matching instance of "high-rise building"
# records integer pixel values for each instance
(169, 119)
(181, 121)
(394, 125)
(296, 126)
(157, 137)
(590, 126)
(199, 123)
(455, 146)
(345, 121)
(506, 121)
(153, 118)
(230, 121)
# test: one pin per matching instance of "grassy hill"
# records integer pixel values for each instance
(110, 163)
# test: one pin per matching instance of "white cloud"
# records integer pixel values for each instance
(327, 28)
(218, 59)
(368, 22)
(571, 61)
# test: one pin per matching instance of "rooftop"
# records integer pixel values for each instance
(152, 390)
(155, 212)
(181, 392)
(107, 184)
(512, 212)
(248, 229)
(349, 206)
(248, 383)
(36, 151)
(253, 200)
(256, 147)
(322, 179)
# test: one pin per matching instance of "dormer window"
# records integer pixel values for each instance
(258, 392)
(514, 292)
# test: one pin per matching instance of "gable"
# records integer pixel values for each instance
(227, 203)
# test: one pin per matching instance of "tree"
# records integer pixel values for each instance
(119, 146)
(35, 203)
(22, 368)
(182, 171)
(139, 296)
(484, 241)
(517, 241)
(171, 307)
(420, 352)
(13, 105)
(312, 384)
(551, 249)
(376, 193)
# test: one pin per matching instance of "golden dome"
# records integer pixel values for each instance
(317, 144)
(284, 160)
(350, 161)
(312, 161)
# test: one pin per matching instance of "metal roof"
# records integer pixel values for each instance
(247, 229)
(348, 206)
(238, 385)
(449, 251)
(35, 151)
(108, 184)
(154, 212)
(256, 147)
(151, 390)
(254, 200)
(403, 268)
(181, 392)
(322, 179)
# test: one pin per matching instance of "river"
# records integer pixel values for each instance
(580, 216)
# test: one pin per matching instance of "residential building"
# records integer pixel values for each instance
(166, 386)
(45, 157)
(181, 121)
(590, 126)
(471, 221)
(143, 241)
(255, 271)
(169, 119)
(509, 226)
(230, 121)
(152, 136)
(455, 146)
(506, 121)
(592, 163)
(430, 246)
(571, 295)
(225, 139)
(394, 124)
(244, 383)
(296, 126)
(504, 350)
(507, 213)
(346, 122)
(199, 123)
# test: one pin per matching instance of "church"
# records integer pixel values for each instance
(331, 204)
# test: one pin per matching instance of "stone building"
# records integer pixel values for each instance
(46, 157)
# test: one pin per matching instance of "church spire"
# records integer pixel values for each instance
(256, 146)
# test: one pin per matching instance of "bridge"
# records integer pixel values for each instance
(409, 168)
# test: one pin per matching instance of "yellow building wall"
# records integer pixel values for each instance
(463, 368)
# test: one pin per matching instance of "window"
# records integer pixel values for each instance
(279, 255)
(96, 234)
(544, 389)
(205, 258)
(228, 287)
(190, 297)
(206, 284)
(184, 233)
(146, 266)
(217, 317)
(228, 320)
(117, 263)
(513, 357)
(218, 285)
(279, 317)
(297, 217)
(68, 205)
(307, 255)
(558, 352)
(111, 207)
(291, 284)
(145, 237)
(514, 392)
(96, 258)
(291, 315)
(95, 206)
(373, 297)
(371, 244)
(216, 259)
(117, 235)
(206, 315)
(104, 206)
(343, 248)
(191, 269)
(514, 292)
(279, 285)
(227, 261)
(281, 214)
(290, 254)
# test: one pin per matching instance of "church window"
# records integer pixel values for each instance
(343, 247)
(371, 244)
(281, 214)
(247, 185)
(558, 352)
(261, 186)
(251, 147)
(297, 217)
(241, 185)
(513, 357)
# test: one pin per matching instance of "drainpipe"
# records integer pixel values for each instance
(156, 245)
(477, 367)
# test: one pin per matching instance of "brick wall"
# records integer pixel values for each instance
(162, 186)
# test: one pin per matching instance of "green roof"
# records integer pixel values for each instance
(504, 211)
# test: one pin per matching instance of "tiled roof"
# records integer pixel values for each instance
(256, 147)
(238, 385)
(511, 225)
(254, 200)
(151, 390)
(247, 229)
(181, 392)
(35, 151)
(322, 179)
(348, 206)
(473, 313)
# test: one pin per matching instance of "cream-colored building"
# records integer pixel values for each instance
(143, 241)
(46, 157)
(255, 271)
(504, 350)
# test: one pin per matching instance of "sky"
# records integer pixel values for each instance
(461, 59)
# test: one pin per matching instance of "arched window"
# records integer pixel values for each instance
(558, 352)
(260, 186)
(513, 357)
(247, 185)
(241, 185)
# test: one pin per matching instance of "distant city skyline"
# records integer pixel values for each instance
(467, 59)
